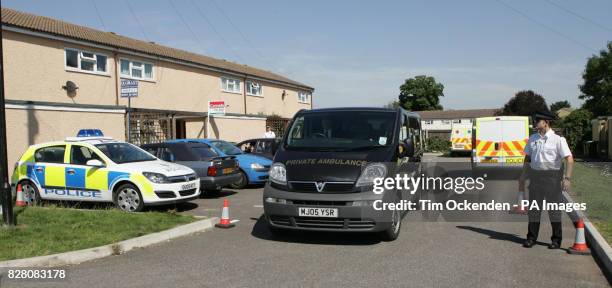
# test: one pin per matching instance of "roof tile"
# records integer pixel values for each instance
(49, 25)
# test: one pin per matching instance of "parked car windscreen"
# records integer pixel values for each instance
(226, 147)
(341, 130)
(124, 153)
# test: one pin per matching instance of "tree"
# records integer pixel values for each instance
(524, 103)
(554, 107)
(393, 104)
(597, 87)
(421, 93)
(577, 128)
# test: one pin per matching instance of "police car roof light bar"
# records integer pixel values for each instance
(79, 139)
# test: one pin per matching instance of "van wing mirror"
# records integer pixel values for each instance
(406, 148)
(95, 163)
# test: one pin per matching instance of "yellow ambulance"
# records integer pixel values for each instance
(499, 142)
(461, 136)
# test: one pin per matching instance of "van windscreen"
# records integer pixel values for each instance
(341, 130)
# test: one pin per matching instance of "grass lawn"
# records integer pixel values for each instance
(593, 186)
(49, 230)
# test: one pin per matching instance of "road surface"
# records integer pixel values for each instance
(442, 254)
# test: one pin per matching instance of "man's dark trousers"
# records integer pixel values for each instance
(545, 185)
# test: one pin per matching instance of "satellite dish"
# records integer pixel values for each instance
(70, 87)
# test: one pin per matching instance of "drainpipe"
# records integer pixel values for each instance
(244, 94)
(117, 80)
(311, 99)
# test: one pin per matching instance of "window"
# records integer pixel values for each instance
(339, 131)
(254, 88)
(456, 121)
(446, 122)
(85, 61)
(429, 122)
(152, 150)
(124, 153)
(226, 148)
(230, 85)
(403, 129)
(167, 155)
(52, 154)
(79, 155)
(204, 152)
(136, 69)
(303, 96)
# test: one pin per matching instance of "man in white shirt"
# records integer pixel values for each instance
(544, 153)
(269, 133)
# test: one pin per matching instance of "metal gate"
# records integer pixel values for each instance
(278, 125)
(149, 127)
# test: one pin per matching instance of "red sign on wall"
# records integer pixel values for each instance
(216, 107)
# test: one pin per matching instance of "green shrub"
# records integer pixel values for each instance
(577, 128)
(435, 144)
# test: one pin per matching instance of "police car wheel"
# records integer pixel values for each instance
(396, 226)
(128, 198)
(30, 193)
(242, 183)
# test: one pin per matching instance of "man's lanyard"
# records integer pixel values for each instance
(540, 144)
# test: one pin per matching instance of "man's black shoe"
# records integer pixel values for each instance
(554, 245)
(528, 243)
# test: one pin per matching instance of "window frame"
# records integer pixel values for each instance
(224, 87)
(142, 69)
(308, 96)
(247, 85)
(80, 58)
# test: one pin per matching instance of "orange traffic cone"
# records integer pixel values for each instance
(225, 219)
(519, 209)
(580, 246)
(20, 199)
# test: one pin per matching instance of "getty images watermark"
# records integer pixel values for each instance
(457, 185)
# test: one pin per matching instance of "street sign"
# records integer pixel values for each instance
(216, 107)
(129, 88)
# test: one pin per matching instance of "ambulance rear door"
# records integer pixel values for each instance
(488, 135)
(461, 137)
(515, 133)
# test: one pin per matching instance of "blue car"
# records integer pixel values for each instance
(253, 169)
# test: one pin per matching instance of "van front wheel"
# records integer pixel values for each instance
(396, 226)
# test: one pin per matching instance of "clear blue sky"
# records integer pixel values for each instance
(357, 53)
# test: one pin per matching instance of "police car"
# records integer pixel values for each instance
(101, 169)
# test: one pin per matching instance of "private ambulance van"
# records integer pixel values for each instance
(499, 142)
(100, 169)
(324, 170)
(461, 137)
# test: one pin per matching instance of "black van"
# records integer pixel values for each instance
(322, 175)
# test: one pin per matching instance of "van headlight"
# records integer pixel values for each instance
(155, 177)
(278, 173)
(371, 172)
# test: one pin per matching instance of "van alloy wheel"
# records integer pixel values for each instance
(397, 219)
(394, 230)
